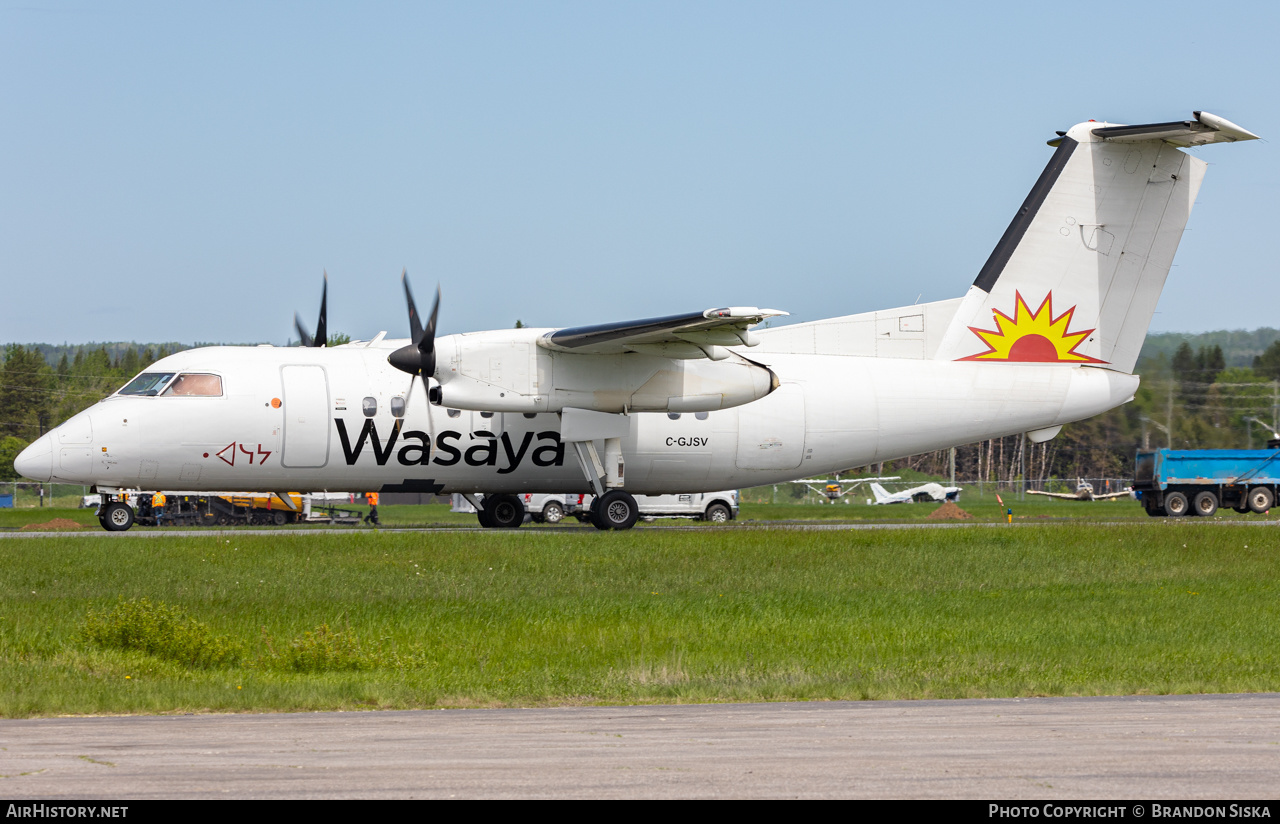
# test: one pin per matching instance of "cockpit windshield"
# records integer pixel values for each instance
(204, 385)
(148, 383)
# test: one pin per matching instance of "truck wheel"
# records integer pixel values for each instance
(553, 513)
(717, 514)
(117, 517)
(279, 518)
(1152, 508)
(1260, 499)
(1204, 504)
(616, 510)
(1176, 504)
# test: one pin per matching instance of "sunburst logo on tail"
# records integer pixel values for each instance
(1032, 337)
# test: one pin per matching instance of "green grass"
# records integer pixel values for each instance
(400, 619)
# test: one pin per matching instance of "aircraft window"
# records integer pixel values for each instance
(207, 386)
(397, 406)
(486, 414)
(453, 413)
(370, 407)
(702, 416)
(148, 383)
(675, 416)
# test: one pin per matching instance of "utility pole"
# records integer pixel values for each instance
(953, 466)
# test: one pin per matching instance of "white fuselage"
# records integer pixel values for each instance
(293, 419)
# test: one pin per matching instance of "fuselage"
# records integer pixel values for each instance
(343, 419)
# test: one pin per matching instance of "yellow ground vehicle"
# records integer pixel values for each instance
(221, 509)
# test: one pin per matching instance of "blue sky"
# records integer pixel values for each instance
(183, 171)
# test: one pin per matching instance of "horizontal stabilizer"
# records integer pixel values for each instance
(1206, 128)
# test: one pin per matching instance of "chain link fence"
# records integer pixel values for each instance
(24, 494)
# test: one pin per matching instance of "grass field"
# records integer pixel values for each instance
(292, 620)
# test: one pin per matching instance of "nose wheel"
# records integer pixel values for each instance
(116, 517)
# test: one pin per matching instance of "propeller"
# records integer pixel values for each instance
(321, 338)
(419, 357)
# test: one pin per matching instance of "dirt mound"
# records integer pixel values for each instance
(55, 524)
(949, 512)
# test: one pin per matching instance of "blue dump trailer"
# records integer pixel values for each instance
(1177, 482)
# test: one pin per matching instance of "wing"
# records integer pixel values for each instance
(1067, 496)
(695, 335)
(1124, 494)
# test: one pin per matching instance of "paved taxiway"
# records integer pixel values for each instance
(1182, 747)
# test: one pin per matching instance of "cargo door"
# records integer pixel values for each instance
(306, 417)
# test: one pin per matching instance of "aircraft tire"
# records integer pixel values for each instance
(1176, 504)
(1204, 504)
(552, 513)
(717, 514)
(117, 517)
(505, 511)
(617, 510)
(1260, 499)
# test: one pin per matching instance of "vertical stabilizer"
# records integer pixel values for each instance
(879, 491)
(1076, 277)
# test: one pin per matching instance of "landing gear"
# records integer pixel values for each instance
(615, 509)
(501, 512)
(116, 517)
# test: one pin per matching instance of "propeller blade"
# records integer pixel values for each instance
(415, 325)
(419, 357)
(303, 334)
(322, 325)
(321, 337)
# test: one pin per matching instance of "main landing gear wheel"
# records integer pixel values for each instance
(502, 512)
(116, 517)
(615, 510)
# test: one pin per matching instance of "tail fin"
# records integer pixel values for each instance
(1076, 276)
(879, 492)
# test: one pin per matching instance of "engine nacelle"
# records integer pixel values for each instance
(506, 371)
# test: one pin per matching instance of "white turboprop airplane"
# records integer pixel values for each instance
(927, 492)
(834, 490)
(1047, 334)
(1084, 492)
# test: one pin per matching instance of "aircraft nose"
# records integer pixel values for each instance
(36, 461)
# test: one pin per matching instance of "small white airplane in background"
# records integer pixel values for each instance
(1084, 492)
(835, 489)
(916, 494)
(1047, 334)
